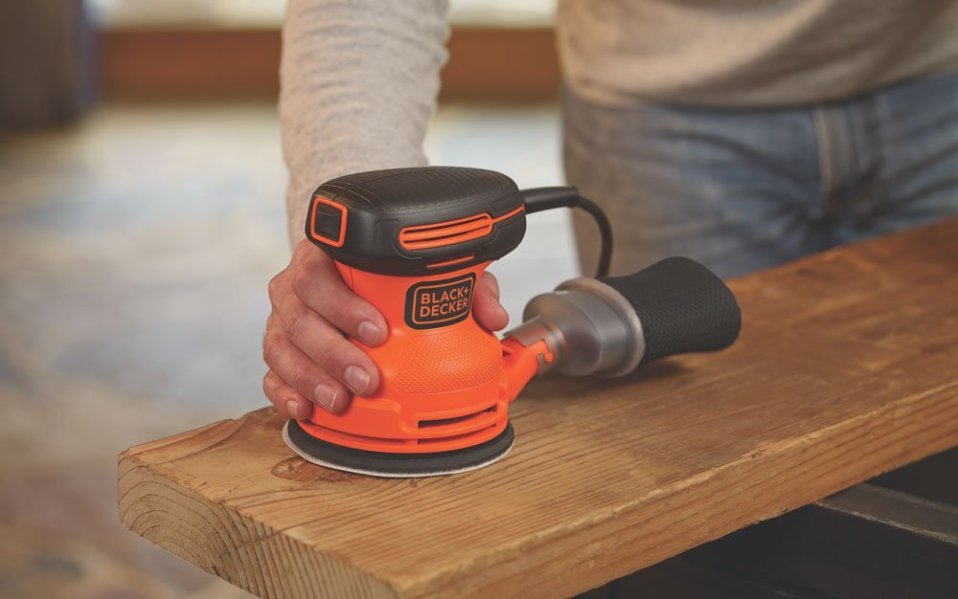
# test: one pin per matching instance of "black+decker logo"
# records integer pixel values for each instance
(439, 303)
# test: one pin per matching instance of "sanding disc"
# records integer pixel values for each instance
(396, 465)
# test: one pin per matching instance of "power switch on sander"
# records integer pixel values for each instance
(328, 223)
(414, 242)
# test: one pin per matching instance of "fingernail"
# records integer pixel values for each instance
(325, 396)
(356, 378)
(368, 333)
(292, 408)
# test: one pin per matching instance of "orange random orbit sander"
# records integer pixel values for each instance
(414, 242)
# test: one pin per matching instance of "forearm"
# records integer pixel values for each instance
(359, 81)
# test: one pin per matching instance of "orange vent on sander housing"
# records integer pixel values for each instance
(460, 230)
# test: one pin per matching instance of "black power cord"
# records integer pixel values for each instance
(547, 198)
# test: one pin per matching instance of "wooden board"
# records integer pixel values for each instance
(847, 367)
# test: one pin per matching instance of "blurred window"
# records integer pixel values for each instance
(269, 13)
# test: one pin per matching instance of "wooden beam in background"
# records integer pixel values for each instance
(167, 64)
(162, 64)
(501, 64)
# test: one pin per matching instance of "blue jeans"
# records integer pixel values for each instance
(741, 190)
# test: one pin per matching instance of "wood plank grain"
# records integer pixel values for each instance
(847, 367)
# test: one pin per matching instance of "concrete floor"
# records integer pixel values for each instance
(134, 255)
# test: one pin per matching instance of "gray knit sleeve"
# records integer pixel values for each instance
(359, 80)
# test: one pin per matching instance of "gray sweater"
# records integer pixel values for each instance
(359, 78)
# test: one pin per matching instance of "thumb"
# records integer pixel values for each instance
(486, 307)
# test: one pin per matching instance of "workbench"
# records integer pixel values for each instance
(846, 367)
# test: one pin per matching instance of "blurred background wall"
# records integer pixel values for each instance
(47, 63)
(141, 216)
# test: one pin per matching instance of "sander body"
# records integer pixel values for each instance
(414, 243)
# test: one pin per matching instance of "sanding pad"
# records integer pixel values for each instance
(396, 465)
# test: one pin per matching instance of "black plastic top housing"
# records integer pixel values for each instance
(414, 221)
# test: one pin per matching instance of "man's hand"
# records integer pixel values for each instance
(309, 358)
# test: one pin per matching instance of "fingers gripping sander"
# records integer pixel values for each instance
(414, 243)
